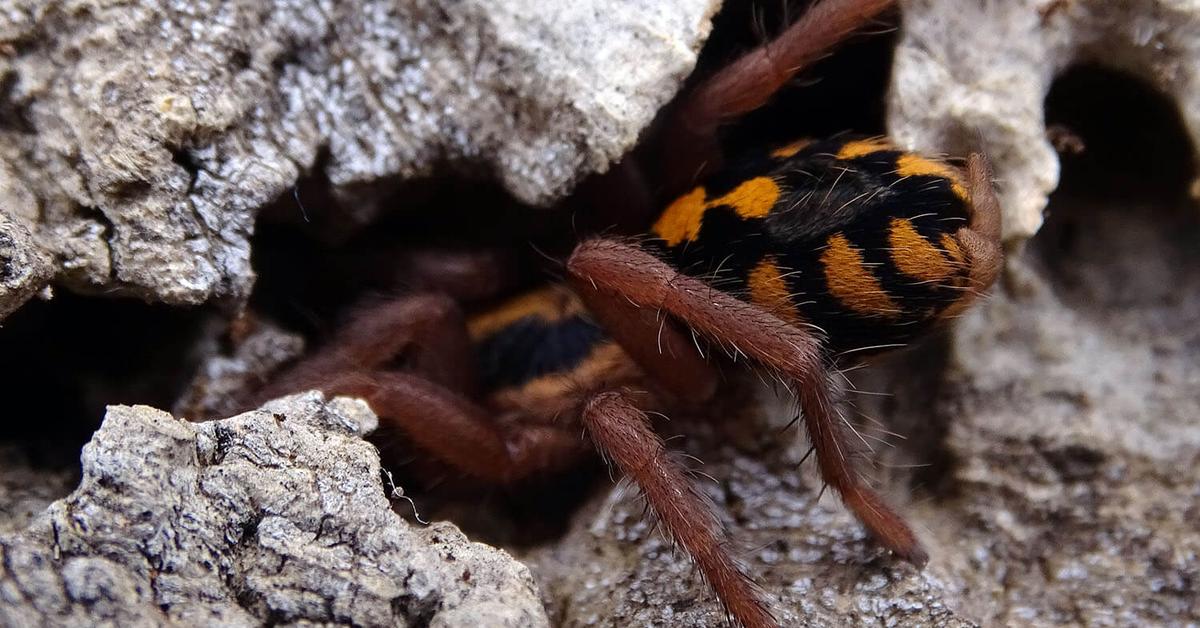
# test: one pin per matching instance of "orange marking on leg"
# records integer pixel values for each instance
(914, 255)
(850, 281)
(681, 219)
(910, 165)
(752, 198)
(861, 148)
(769, 291)
(784, 152)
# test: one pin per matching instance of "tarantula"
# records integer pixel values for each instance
(785, 256)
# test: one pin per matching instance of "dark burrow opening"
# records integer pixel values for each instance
(67, 358)
(1121, 230)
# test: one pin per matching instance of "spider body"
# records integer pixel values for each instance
(539, 354)
(850, 235)
(785, 258)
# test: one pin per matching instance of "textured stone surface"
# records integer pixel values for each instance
(24, 267)
(976, 73)
(813, 560)
(141, 139)
(223, 381)
(26, 490)
(274, 516)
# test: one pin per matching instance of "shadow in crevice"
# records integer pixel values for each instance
(1120, 231)
(70, 357)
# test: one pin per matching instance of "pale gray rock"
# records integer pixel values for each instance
(222, 382)
(812, 559)
(274, 516)
(975, 74)
(141, 139)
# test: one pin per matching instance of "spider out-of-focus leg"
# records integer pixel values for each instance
(455, 430)
(747, 83)
(622, 434)
(604, 271)
(465, 275)
(429, 329)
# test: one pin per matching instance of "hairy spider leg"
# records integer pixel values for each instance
(455, 430)
(622, 434)
(607, 270)
(670, 357)
(430, 328)
(466, 275)
(749, 82)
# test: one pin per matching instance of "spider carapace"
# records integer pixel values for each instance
(788, 259)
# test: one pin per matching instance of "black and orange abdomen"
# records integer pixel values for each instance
(853, 236)
(539, 351)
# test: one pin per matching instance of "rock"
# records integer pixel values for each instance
(976, 74)
(27, 489)
(24, 267)
(222, 382)
(146, 137)
(1072, 417)
(813, 560)
(273, 516)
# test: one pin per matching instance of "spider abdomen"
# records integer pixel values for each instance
(850, 235)
(540, 352)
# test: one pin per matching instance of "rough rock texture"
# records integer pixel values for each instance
(222, 381)
(1052, 462)
(139, 140)
(976, 73)
(816, 566)
(24, 266)
(26, 490)
(274, 516)
(1074, 419)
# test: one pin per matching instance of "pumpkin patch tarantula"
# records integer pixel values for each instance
(787, 256)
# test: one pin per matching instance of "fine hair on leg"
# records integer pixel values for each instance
(608, 269)
(748, 82)
(622, 434)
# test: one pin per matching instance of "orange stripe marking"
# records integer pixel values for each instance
(851, 283)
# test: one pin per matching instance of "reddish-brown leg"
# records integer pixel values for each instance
(622, 434)
(607, 270)
(458, 432)
(751, 80)
(655, 342)
(429, 328)
(465, 275)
